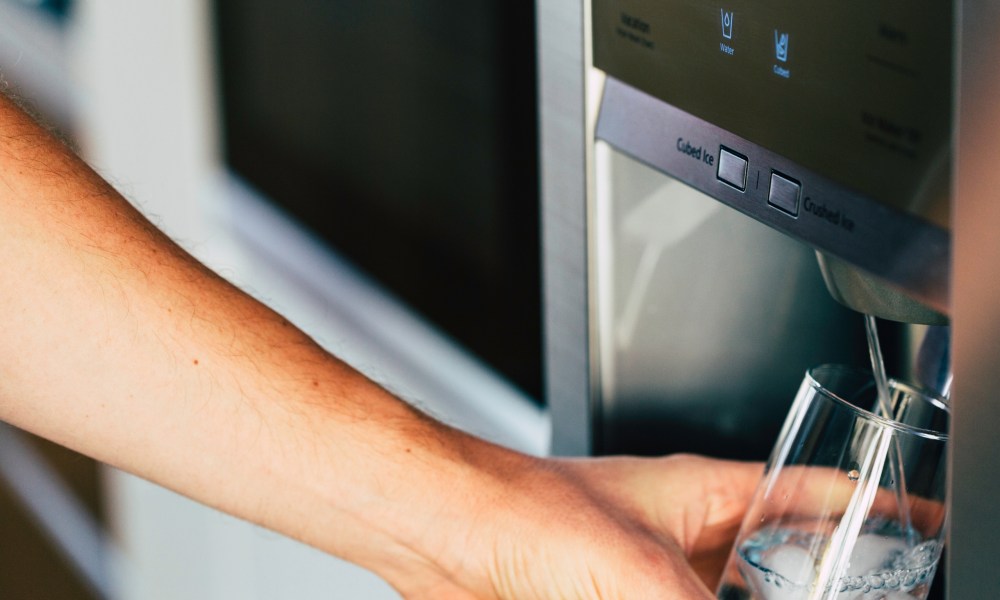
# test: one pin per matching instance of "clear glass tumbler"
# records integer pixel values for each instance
(852, 505)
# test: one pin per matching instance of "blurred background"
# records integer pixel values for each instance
(367, 168)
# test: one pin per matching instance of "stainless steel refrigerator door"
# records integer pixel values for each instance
(706, 320)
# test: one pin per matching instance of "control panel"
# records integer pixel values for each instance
(778, 191)
(858, 91)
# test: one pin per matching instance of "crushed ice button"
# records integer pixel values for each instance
(784, 193)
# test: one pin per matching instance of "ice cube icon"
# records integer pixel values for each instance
(727, 23)
(781, 45)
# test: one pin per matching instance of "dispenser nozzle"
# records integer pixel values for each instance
(870, 295)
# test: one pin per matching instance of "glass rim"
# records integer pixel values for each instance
(931, 398)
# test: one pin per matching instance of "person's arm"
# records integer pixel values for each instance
(116, 343)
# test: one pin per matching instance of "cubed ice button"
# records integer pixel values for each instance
(732, 168)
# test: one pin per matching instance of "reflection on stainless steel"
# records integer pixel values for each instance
(664, 218)
(562, 130)
(976, 323)
(709, 319)
(933, 361)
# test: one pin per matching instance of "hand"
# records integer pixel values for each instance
(619, 528)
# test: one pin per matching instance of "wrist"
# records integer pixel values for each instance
(450, 493)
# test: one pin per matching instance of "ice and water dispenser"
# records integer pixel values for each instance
(728, 187)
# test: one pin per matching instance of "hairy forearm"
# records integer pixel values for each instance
(119, 345)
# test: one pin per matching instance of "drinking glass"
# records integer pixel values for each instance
(852, 503)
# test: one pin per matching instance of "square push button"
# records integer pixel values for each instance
(732, 168)
(784, 194)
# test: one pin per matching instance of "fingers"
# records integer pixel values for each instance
(693, 502)
(713, 510)
(824, 494)
(621, 506)
(727, 487)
